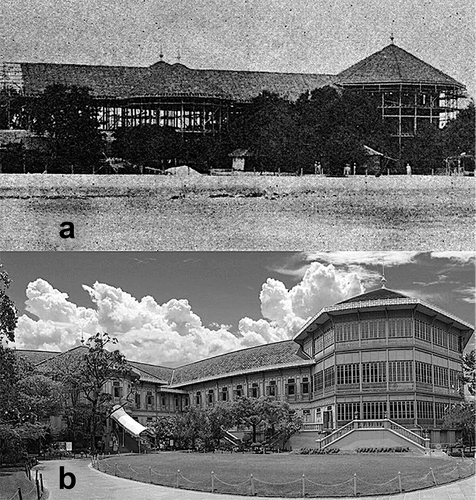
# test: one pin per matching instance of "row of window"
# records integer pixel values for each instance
(397, 410)
(377, 329)
(376, 372)
(252, 391)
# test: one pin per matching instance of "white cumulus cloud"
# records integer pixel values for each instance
(171, 333)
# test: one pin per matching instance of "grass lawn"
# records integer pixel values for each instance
(237, 213)
(10, 481)
(281, 474)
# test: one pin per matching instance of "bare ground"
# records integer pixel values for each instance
(237, 213)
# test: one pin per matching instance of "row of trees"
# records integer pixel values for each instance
(327, 125)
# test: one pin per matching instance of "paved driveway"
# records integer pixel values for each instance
(94, 485)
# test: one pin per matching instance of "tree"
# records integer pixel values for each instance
(68, 116)
(468, 378)
(85, 377)
(459, 133)
(8, 312)
(148, 145)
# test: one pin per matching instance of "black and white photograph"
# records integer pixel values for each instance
(240, 125)
(237, 249)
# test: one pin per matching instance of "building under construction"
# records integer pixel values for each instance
(409, 91)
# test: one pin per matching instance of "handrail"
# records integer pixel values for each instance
(336, 434)
(407, 433)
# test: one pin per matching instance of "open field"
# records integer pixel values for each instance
(237, 213)
(282, 474)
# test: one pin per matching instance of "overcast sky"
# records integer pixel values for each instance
(310, 36)
(173, 308)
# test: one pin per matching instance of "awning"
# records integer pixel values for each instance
(127, 422)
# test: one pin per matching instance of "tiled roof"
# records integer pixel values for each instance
(163, 79)
(153, 373)
(276, 355)
(380, 294)
(35, 357)
(393, 64)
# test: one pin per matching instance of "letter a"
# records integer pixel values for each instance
(72, 477)
(68, 231)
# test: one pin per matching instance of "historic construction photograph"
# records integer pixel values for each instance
(242, 125)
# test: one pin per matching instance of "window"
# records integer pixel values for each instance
(187, 402)
(348, 374)
(318, 344)
(425, 410)
(177, 402)
(439, 337)
(402, 410)
(290, 387)
(422, 330)
(210, 397)
(319, 381)
(271, 388)
(400, 371)
(374, 410)
(373, 329)
(117, 390)
(453, 342)
(440, 376)
(454, 377)
(423, 372)
(346, 332)
(400, 327)
(328, 337)
(163, 401)
(373, 373)
(348, 411)
(308, 346)
(224, 393)
(440, 410)
(329, 377)
(137, 400)
(238, 392)
(305, 385)
(254, 390)
(149, 399)
(198, 398)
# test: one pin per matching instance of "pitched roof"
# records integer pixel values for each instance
(163, 79)
(393, 64)
(35, 357)
(380, 294)
(263, 357)
(152, 373)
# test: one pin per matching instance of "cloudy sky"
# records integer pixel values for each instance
(173, 308)
(324, 36)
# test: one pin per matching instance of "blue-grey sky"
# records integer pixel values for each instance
(324, 36)
(174, 307)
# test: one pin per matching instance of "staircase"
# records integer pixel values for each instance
(378, 433)
(231, 438)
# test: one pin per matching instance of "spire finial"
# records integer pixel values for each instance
(161, 54)
(178, 55)
(383, 280)
(392, 38)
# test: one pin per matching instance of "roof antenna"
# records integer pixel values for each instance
(161, 54)
(383, 280)
(392, 38)
(178, 55)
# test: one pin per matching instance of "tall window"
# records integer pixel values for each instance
(346, 332)
(423, 372)
(348, 374)
(440, 376)
(374, 372)
(454, 378)
(254, 390)
(238, 392)
(425, 410)
(224, 393)
(329, 377)
(149, 399)
(440, 410)
(348, 411)
(117, 390)
(422, 330)
(453, 342)
(374, 409)
(401, 410)
(373, 329)
(305, 385)
(440, 337)
(137, 400)
(271, 388)
(290, 387)
(198, 398)
(319, 381)
(400, 371)
(328, 337)
(400, 327)
(210, 397)
(318, 344)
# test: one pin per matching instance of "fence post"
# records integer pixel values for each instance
(115, 468)
(38, 494)
(150, 474)
(177, 482)
(213, 482)
(19, 494)
(303, 480)
(36, 475)
(399, 481)
(252, 482)
(129, 465)
(41, 483)
(433, 475)
(355, 485)
(459, 472)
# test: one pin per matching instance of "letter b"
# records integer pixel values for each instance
(72, 478)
